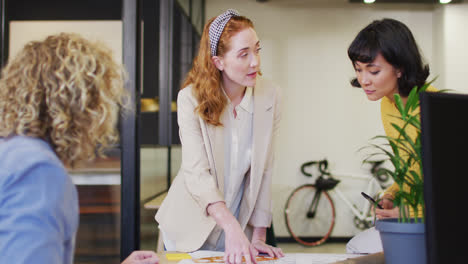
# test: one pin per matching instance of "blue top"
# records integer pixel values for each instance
(38, 204)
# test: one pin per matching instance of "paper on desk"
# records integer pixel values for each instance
(293, 258)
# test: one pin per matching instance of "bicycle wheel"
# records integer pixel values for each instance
(306, 229)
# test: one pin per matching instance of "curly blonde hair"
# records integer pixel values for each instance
(67, 91)
(205, 78)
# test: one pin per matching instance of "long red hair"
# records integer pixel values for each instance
(205, 78)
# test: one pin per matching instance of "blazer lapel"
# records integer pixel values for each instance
(216, 134)
(262, 133)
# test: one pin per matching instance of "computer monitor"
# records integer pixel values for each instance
(444, 133)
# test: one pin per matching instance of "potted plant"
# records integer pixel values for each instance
(403, 239)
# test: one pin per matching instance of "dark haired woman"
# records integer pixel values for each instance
(387, 61)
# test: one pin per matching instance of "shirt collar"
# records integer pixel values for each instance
(246, 102)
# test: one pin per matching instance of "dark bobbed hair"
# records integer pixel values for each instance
(396, 43)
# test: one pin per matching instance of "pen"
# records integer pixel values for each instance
(372, 201)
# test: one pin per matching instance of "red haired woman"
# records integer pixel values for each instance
(228, 116)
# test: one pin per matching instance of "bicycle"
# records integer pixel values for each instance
(319, 216)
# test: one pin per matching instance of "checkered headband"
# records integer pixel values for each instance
(217, 27)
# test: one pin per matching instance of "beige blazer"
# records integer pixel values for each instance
(200, 180)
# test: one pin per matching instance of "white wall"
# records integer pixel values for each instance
(108, 32)
(451, 38)
(438, 40)
(305, 52)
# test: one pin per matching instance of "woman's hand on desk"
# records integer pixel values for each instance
(237, 245)
(258, 244)
(262, 247)
(142, 257)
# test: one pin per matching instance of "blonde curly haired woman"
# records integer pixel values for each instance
(59, 104)
(228, 117)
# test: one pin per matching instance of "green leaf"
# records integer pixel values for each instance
(412, 100)
(427, 84)
(414, 121)
(403, 133)
(388, 153)
(399, 105)
(446, 90)
(416, 177)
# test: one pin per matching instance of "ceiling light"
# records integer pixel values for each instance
(372, 1)
(445, 1)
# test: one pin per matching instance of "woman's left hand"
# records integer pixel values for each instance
(387, 213)
(258, 246)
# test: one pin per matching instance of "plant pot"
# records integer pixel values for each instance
(402, 242)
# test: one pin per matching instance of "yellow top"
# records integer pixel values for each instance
(390, 114)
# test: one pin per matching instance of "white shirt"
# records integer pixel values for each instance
(238, 134)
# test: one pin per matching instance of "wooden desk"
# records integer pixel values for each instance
(377, 258)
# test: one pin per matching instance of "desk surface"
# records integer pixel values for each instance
(377, 258)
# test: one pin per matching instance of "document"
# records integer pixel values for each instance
(203, 256)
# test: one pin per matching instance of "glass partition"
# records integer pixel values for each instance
(160, 160)
(198, 15)
(185, 5)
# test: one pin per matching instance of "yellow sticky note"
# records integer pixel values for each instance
(177, 256)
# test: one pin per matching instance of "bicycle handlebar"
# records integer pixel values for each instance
(381, 174)
(322, 167)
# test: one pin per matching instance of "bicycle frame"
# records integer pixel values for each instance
(326, 187)
(372, 183)
(314, 204)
